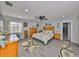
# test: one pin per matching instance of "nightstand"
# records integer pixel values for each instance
(57, 36)
(25, 34)
(32, 31)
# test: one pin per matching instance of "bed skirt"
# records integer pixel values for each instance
(42, 41)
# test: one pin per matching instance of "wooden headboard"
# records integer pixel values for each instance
(48, 27)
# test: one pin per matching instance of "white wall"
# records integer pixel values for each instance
(78, 27)
(75, 30)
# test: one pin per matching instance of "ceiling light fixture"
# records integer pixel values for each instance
(26, 10)
(63, 16)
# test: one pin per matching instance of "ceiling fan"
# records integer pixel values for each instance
(42, 18)
(8, 3)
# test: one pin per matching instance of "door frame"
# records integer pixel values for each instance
(71, 29)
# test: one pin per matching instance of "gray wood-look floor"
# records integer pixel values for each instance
(50, 50)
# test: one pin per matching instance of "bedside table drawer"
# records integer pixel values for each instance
(57, 36)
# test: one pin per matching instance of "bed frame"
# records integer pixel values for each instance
(42, 41)
(47, 27)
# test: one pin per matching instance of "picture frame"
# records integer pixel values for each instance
(24, 24)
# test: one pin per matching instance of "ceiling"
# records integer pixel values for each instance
(51, 9)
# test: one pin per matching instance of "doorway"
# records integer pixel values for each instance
(67, 31)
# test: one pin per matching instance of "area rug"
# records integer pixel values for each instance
(30, 46)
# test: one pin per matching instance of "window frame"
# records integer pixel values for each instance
(1, 25)
(14, 28)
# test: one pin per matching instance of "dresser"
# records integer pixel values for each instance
(10, 50)
(32, 31)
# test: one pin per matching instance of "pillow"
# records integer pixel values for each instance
(13, 38)
(47, 31)
(2, 37)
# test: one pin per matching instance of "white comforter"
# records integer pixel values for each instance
(43, 36)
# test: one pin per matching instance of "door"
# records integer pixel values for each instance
(67, 31)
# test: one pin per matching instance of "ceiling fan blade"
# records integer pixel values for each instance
(8, 3)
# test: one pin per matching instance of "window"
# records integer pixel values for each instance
(15, 27)
(1, 25)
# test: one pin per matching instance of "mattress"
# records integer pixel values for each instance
(43, 36)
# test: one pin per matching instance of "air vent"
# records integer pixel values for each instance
(8, 4)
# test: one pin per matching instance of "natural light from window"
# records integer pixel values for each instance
(15, 27)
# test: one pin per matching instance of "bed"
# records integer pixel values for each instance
(45, 36)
